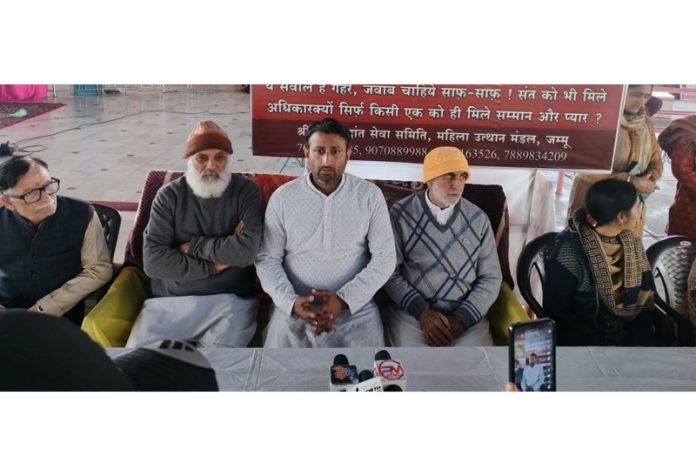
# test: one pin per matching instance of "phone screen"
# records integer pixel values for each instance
(532, 354)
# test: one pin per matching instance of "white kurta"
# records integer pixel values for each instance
(342, 242)
(532, 377)
(218, 320)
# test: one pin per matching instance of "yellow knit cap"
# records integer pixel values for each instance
(443, 160)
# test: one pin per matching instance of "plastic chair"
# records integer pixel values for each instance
(670, 260)
(531, 269)
(110, 220)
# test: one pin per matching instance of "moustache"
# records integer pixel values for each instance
(210, 173)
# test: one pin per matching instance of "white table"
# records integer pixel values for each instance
(456, 369)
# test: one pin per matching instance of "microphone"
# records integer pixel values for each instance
(368, 383)
(343, 375)
(365, 375)
(390, 371)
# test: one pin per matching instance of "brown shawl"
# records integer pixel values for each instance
(636, 294)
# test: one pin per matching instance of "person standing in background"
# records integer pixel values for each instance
(678, 140)
(637, 156)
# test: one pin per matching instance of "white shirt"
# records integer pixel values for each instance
(532, 377)
(342, 241)
(440, 214)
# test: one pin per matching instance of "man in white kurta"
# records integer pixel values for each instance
(532, 375)
(328, 247)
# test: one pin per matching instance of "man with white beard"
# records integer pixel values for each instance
(199, 248)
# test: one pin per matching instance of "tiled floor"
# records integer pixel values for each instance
(102, 147)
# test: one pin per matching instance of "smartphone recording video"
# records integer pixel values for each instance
(532, 355)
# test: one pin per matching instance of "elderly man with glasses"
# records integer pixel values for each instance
(52, 248)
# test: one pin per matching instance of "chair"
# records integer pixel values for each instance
(110, 220)
(670, 260)
(531, 269)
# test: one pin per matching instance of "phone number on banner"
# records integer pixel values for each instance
(534, 155)
(395, 150)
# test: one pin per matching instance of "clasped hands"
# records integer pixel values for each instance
(319, 309)
(440, 329)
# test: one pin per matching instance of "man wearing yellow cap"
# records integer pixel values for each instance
(199, 248)
(447, 273)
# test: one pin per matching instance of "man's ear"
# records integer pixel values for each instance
(305, 149)
(5, 202)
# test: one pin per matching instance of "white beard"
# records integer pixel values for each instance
(208, 188)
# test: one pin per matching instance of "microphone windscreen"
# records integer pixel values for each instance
(382, 355)
(365, 375)
(392, 388)
(340, 359)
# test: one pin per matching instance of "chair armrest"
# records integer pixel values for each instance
(505, 310)
(110, 322)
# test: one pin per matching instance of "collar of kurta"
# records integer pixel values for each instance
(308, 179)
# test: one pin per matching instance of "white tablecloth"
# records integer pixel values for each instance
(456, 369)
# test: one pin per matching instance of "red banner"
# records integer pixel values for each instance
(551, 126)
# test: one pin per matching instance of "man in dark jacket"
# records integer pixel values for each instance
(52, 248)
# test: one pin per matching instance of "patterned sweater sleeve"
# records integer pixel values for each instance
(563, 273)
(486, 287)
(399, 290)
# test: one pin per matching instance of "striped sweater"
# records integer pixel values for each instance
(452, 268)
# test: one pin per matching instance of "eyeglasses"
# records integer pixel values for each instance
(33, 196)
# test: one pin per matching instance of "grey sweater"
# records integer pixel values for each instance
(179, 216)
(450, 268)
